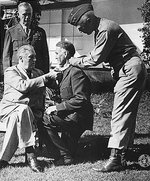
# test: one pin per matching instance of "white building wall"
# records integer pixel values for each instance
(124, 12)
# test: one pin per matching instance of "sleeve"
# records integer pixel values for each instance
(7, 50)
(105, 41)
(13, 79)
(45, 53)
(80, 93)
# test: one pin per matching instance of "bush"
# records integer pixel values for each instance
(145, 13)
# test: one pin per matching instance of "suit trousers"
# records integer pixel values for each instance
(70, 134)
(19, 131)
(127, 94)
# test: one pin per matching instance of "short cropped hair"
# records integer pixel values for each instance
(25, 4)
(67, 46)
(24, 49)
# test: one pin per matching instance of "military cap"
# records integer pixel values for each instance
(77, 12)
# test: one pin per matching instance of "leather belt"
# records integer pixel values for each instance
(119, 64)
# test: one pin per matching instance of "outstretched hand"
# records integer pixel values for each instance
(51, 109)
(51, 75)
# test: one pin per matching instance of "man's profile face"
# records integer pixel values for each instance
(85, 25)
(25, 15)
(28, 60)
(60, 55)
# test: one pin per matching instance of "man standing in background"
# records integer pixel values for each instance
(25, 33)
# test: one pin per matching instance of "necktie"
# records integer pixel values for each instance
(26, 30)
(29, 74)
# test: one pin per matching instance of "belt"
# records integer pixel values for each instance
(117, 66)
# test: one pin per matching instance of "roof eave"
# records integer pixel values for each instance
(55, 5)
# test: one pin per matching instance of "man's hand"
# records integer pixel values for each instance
(51, 109)
(58, 69)
(51, 75)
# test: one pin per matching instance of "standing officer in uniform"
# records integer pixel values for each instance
(24, 33)
(113, 46)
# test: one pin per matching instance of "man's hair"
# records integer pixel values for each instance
(67, 46)
(25, 4)
(23, 49)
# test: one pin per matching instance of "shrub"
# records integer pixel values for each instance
(145, 13)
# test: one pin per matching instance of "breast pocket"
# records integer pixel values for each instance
(66, 92)
(17, 43)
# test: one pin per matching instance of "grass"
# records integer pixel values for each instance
(92, 150)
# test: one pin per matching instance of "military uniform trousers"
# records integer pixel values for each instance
(127, 94)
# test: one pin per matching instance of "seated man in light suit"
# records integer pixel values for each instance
(22, 106)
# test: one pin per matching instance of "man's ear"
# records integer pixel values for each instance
(17, 16)
(20, 58)
(66, 53)
(88, 20)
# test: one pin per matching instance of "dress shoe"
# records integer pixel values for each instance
(3, 164)
(33, 164)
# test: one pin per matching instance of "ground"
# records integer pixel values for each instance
(92, 150)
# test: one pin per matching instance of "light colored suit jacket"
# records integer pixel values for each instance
(19, 89)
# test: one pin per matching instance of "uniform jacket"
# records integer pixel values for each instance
(19, 89)
(75, 91)
(15, 37)
(112, 45)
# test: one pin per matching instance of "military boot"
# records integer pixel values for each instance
(116, 162)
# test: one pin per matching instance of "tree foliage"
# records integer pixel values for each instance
(145, 13)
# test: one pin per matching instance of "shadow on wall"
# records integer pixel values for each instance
(101, 79)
